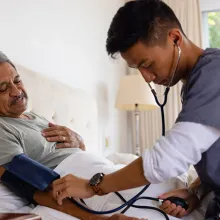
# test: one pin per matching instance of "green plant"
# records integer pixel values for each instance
(214, 28)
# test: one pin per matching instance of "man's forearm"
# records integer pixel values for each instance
(199, 189)
(128, 177)
(195, 184)
(45, 199)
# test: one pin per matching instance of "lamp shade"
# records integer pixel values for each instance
(134, 90)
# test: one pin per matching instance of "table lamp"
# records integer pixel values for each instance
(135, 95)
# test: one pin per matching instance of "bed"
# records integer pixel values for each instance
(77, 110)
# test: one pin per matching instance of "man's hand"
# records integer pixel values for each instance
(65, 137)
(71, 186)
(178, 211)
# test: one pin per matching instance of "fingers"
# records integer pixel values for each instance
(59, 188)
(55, 136)
(68, 138)
(57, 139)
(173, 210)
(64, 145)
(165, 205)
(62, 180)
(55, 127)
(182, 193)
(52, 125)
(182, 213)
(61, 185)
(71, 186)
(55, 132)
(170, 208)
(169, 194)
(51, 128)
(61, 196)
(60, 192)
(176, 211)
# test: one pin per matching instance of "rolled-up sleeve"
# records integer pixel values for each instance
(182, 146)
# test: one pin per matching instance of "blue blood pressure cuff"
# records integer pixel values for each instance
(24, 176)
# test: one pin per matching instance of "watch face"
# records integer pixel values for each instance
(96, 179)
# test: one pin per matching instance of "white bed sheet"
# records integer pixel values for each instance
(79, 163)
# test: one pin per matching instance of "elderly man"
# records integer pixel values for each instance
(27, 133)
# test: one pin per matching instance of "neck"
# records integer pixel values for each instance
(190, 57)
(24, 116)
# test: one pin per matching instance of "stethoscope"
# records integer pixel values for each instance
(130, 203)
(161, 105)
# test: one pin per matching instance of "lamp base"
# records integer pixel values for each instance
(137, 130)
(138, 151)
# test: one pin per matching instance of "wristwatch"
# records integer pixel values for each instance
(94, 183)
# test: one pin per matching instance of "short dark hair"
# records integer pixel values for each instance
(141, 20)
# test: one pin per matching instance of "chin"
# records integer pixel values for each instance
(20, 109)
(171, 85)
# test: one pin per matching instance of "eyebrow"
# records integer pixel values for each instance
(2, 83)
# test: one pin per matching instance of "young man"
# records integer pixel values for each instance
(149, 37)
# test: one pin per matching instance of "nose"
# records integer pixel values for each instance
(147, 75)
(15, 91)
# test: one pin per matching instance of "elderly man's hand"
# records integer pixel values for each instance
(65, 137)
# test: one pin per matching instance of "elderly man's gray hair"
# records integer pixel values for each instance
(5, 59)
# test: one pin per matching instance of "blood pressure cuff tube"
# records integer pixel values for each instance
(24, 176)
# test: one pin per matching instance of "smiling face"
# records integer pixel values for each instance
(155, 63)
(13, 97)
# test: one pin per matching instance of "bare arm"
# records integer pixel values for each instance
(131, 176)
(45, 199)
(195, 184)
(69, 208)
(199, 189)
(128, 177)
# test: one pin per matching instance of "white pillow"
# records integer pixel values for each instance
(122, 158)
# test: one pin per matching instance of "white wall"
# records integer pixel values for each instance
(65, 40)
(209, 5)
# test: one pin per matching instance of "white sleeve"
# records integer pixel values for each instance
(182, 146)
